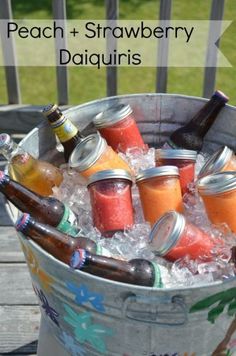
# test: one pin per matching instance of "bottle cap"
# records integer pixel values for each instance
(219, 94)
(216, 162)
(78, 258)
(3, 177)
(157, 172)
(22, 222)
(176, 154)
(166, 232)
(109, 174)
(87, 152)
(50, 108)
(217, 183)
(112, 115)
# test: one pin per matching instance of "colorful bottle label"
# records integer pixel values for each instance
(64, 129)
(68, 223)
(158, 281)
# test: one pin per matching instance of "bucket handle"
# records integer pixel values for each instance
(169, 311)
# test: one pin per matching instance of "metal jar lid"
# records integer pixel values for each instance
(87, 152)
(176, 154)
(217, 183)
(109, 174)
(216, 162)
(166, 232)
(112, 115)
(157, 172)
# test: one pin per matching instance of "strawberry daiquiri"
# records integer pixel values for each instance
(111, 200)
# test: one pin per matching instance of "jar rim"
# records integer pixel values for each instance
(176, 154)
(216, 162)
(87, 152)
(112, 115)
(109, 174)
(166, 232)
(217, 183)
(155, 172)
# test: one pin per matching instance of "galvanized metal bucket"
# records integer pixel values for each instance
(88, 315)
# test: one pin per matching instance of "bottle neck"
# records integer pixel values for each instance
(23, 198)
(58, 244)
(205, 118)
(139, 271)
(11, 149)
(64, 129)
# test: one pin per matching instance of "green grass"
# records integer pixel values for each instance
(38, 83)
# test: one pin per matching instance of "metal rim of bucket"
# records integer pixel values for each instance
(90, 276)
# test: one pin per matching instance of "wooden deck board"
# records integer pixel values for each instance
(19, 311)
(19, 327)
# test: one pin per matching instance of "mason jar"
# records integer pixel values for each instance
(222, 160)
(183, 159)
(93, 154)
(173, 237)
(159, 190)
(118, 126)
(218, 192)
(111, 200)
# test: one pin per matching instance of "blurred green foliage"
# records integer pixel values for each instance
(86, 83)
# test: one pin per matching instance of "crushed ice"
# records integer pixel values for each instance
(134, 243)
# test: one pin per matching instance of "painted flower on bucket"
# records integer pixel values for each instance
(69, 343)
(85, 330)
(49, 311)
(44, 279)
(84, 295)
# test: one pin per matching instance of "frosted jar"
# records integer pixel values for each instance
(218, 192)
(111, 201)
(173, 237)
(118, 126)
(183, 159)
(93, 154)
(222, 160)
(160, 192)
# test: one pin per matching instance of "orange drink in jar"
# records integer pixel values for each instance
(160, 191)
(218, 192)
(93, 154)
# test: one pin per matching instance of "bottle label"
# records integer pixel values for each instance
(68, 223)
(64, 129)
(158, 281)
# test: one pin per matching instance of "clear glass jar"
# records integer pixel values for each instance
(174, 238)
(118, 126)
(222, 160)
(111, 201)
(218, 192)
(183, 159)
(93, 154)
(159, 190)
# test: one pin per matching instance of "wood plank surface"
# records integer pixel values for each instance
(16, 285)
(19, 328)
(10, 249)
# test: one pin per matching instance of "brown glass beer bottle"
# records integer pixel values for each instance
(47, 210)
(191, 135)
(137, 271)
(66, 131)
(37, 175)
(58, 244)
